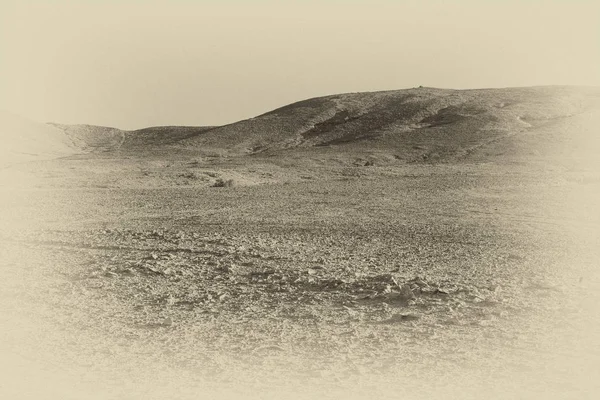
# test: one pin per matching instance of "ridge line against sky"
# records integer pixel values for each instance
(134, 64)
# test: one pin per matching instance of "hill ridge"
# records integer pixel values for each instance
(415, 124)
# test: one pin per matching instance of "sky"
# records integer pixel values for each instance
(132, 64)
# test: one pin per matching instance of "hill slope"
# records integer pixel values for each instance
(25, 140)
(93, 138)
(414, 124)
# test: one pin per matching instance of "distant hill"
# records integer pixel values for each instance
(93, 138)
(24, 140)
(406, 126)
(413, 124)
(162, 135)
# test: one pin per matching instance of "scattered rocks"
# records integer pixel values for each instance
(211, 275)
(400, 318)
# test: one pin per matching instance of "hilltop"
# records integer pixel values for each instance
(540, 125)
(411, 125)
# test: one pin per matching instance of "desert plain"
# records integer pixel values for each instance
(401, 244)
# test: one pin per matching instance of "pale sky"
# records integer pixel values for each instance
(132, 64)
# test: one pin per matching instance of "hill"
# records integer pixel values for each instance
(412, 125)
(24, 140)
(94, 138)
(399, 126)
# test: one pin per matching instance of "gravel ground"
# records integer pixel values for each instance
(414, 281)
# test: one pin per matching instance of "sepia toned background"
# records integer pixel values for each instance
(525, 194)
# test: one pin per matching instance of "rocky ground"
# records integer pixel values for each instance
(410, 244)
(415, 280)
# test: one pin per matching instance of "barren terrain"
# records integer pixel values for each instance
(411, 243)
